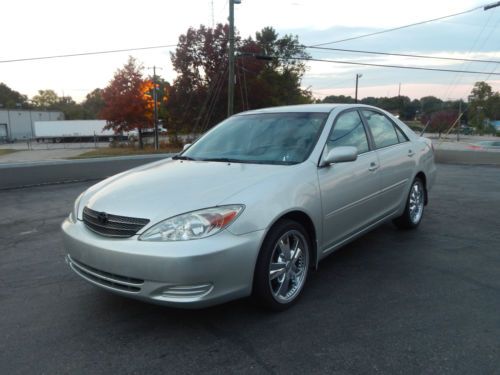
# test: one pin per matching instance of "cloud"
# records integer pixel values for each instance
(475, 31)
(472, 36)
(60, 27)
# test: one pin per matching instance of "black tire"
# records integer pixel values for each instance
(279, 290)
(411, 219)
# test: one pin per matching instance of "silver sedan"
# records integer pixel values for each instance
(250, 207)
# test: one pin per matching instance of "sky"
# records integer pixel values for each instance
(51, 27)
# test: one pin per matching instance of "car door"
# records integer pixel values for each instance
(397, 160)
(348, 190)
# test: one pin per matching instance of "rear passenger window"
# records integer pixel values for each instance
(383, 131)
(348, 130)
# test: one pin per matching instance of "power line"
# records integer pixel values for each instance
(458, 77)
(400, 27)
(86, 53)
(403, 55)
(492, 5)
(393, 66)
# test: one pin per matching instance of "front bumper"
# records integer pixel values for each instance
(192, 274)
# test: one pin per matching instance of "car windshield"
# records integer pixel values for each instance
(269, 138)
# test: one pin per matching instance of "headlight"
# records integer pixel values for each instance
(193, 225)
(73, 216)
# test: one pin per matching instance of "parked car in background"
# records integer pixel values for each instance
(146, 132)
(250, 207)
(466, 130)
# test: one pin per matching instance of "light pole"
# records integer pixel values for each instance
(459, 119)
(155, 115)
(358, 76)
(230, 85)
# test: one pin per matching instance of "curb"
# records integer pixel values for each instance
(469, 157)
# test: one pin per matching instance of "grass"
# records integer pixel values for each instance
(123, 151)
(6, 151)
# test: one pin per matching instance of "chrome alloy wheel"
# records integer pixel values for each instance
(416, 202)
(288, 266)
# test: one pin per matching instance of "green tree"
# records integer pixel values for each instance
(198, 97)
(340, 99)
(46, 99)
(49, 100)
(479, 106)
(401, 105)
(410, 109)
(280, 75)
(93, 104)
(481, 92)
(10, 98)
(71, 109)
(198, 92)
(430, 104)
(493, 106)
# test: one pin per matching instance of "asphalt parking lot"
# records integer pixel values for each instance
(420, 302)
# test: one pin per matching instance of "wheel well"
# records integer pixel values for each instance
(421, 175)
(306, 221)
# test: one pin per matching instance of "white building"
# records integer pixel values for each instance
(18, 124)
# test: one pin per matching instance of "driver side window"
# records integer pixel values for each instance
(348, 130)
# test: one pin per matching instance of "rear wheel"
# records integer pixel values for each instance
(414, 210)
(282, 266)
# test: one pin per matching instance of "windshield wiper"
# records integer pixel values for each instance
(223, 160)
(181, 157)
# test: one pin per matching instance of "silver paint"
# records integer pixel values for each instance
(342, 200)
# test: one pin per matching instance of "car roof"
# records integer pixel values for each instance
(319, 108)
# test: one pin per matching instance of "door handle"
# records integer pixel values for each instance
(373, 166)
(410, 153)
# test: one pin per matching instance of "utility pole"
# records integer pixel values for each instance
(155, 95)
(459, 119)
(155, 115)
(213, 18)
(230, 86)
(358, 76)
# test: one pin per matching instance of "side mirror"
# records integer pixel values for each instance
(186, 146)
(341, 154)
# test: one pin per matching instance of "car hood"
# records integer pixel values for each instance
(164, 189)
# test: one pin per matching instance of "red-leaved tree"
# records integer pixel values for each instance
(126, 107)
(441, 121)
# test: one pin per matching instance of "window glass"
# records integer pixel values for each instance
(349, 131)
(267, 138)
(401, 136)
(382, 129)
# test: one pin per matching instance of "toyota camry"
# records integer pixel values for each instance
(250, 207)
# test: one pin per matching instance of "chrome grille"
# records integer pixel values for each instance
(112, 225)
(106, 279)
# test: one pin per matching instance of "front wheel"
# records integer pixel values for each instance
(414, 210)
(282, 266)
